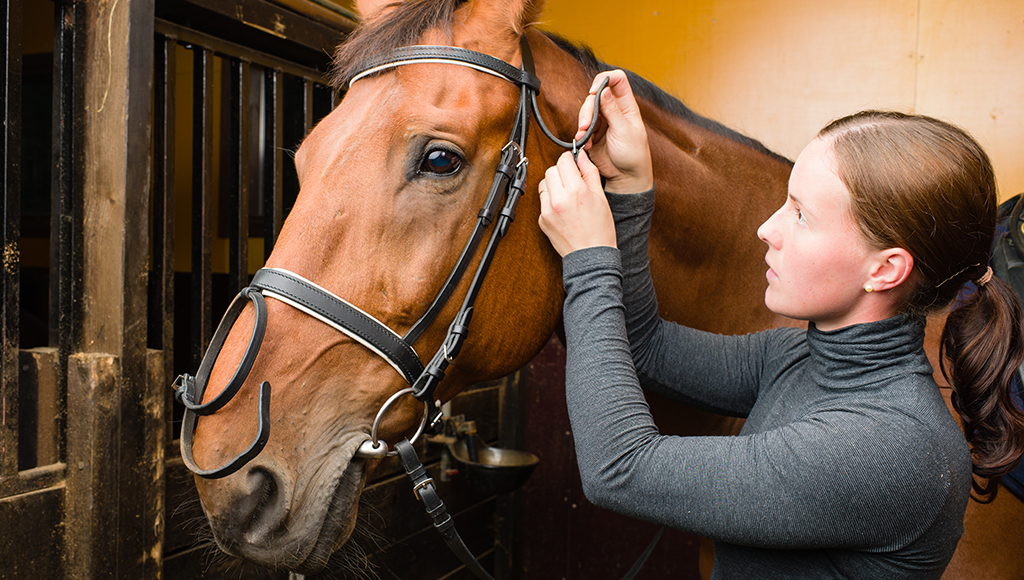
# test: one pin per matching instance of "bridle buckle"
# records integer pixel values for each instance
(416, 489)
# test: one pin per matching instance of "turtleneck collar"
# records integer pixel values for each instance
(864, 354)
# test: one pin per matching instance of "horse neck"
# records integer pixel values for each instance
(714, 188)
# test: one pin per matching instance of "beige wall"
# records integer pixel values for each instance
(778, 70)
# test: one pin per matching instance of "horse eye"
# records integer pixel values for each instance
(441, 162)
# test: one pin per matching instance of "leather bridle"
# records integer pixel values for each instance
(294, 290)
(506, 188)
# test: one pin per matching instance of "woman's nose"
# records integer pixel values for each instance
(767, 232)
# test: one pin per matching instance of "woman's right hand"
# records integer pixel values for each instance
(620, 150)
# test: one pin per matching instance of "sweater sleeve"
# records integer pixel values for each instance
(710, 371)
(825, 480)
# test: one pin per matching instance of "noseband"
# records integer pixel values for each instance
(290, 288)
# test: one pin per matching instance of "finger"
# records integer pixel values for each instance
(544, 196)
(586, 115)
(589, 172)
(618, 82)
(619, 87)
(569, 172)
(553, 184)
(613, 77)
(610, 109)
(598, 134)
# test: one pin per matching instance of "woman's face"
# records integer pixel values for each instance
(818, 262)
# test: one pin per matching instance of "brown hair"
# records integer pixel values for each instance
(398, 24)
(926, 186)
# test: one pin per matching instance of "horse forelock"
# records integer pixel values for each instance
(400, 24)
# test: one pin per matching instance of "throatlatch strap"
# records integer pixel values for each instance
(423, 488)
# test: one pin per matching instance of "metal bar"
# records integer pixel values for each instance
(238, 167)
(307, 106)
(10, 147)
(273, 161)
(202, 202)
(225, 48)
(61, 189)
(284, 32)
(164, 168)
(161, 308)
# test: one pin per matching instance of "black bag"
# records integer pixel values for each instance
(1008, 265)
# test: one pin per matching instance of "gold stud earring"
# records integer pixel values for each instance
(868, 288)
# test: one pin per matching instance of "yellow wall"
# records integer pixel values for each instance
(779, 70)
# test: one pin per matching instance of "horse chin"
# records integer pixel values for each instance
(317, 518)
(339, 520)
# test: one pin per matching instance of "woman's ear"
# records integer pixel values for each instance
(892, 269)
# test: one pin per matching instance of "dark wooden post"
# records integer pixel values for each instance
(114, 453)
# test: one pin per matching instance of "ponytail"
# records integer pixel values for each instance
(928, 187)
(981, 350)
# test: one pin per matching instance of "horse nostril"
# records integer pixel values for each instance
(264, 507)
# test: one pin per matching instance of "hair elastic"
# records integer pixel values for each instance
(985, 278)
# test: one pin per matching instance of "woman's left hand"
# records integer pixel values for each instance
(574, 212)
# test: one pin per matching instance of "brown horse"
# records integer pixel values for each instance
(375, 226)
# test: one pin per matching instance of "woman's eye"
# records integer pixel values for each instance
(440, 162)
(800, 216)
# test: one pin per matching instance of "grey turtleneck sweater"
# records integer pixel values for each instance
(849, 464)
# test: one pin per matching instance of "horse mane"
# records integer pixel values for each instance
(650, 92)
(404, 23)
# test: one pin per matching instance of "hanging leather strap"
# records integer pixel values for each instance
(423, 488)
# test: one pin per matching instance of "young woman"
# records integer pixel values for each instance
(849, 464)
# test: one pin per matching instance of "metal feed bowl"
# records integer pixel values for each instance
(495, 470)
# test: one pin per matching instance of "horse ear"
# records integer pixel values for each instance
(502, 21)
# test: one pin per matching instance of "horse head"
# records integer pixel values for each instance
(392, 182)
(393, 186)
